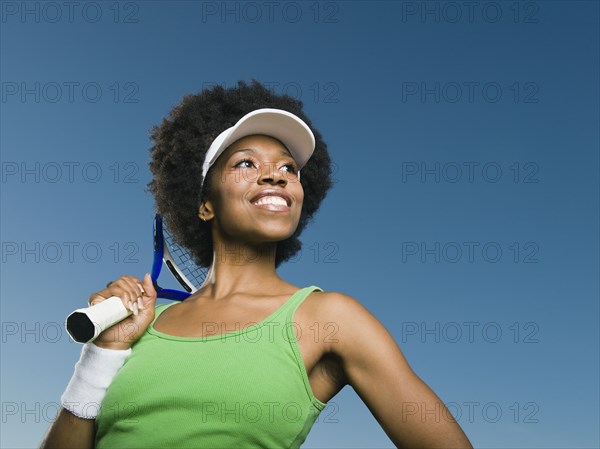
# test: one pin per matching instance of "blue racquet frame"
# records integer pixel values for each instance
(163, 254)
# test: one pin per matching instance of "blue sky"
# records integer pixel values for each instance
(464, 214)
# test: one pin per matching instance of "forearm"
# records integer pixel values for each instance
(74, 426)
(69, 432)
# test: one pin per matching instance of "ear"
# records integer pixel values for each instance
(206, 211)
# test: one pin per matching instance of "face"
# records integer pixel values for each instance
(256, 196)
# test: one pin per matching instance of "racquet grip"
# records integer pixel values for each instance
(84, 325)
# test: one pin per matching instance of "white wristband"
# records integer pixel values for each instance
(93, 374)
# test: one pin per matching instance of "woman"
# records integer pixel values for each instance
(238, 174)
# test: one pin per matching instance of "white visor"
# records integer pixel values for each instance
(282, 125)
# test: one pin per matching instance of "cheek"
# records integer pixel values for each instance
(300, 200)
(230, 198)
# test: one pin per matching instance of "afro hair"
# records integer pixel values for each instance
(180, 144)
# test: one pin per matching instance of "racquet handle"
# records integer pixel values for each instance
(84, 325)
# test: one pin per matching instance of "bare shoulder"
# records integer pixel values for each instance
(335, 302)
(348, 315)
(338, 305)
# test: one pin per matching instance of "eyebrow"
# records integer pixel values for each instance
(254, 150)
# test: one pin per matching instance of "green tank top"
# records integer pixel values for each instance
(242, 388)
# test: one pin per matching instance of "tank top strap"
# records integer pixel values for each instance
(294, 302)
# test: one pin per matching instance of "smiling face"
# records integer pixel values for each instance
(256, 196)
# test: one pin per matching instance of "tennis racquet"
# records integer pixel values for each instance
(84, 325)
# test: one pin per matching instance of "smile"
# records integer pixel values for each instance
(272, 203)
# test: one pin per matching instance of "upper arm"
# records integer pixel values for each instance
(410, 413)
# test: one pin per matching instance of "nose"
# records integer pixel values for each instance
(269, 174)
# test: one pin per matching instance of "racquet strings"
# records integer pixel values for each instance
(184, 260)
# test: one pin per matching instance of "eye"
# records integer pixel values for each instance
(291, 167)
(245, 163)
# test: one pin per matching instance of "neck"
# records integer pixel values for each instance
(240, 267)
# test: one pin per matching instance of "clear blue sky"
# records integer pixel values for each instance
(464, 214)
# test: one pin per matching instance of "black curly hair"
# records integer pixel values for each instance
(181, 142)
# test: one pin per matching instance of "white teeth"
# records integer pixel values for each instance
(277, 200)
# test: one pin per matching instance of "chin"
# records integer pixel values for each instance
(277, 237)
(274, 235)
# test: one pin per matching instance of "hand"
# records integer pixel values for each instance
(137, 296)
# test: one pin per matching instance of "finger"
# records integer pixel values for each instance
(124, 289)
(138, 286)
(136, 291)
(132, 279)
(134, 307)
(96, 298)
(132, 284)
(103, 295)
(148, 286)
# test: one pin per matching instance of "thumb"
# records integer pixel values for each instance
(150, 296)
